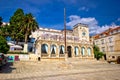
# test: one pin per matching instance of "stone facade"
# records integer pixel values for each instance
(49, 43)
(109, 43)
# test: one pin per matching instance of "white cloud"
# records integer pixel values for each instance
(83, 8)
(91, 22)
(118, 19)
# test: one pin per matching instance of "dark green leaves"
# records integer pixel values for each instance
(4, 47)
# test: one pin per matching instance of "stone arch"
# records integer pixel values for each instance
(53, 49)
(61, 49)
(76, 50)
(69, 51)
(89, 51)
(44, 48)
(83, 50)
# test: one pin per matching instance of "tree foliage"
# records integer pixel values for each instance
(97, 52)
(5, 31)
(0, 21)
(22, 25)
(4, 47)
(29, 25)
(16, 24)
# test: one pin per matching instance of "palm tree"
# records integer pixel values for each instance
(29, 25)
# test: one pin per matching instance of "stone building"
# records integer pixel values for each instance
(109, 43)
(49, 43)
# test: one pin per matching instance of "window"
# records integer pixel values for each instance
(83, 33)
(118, 30)
(103, 49)
(76, 51)
(102, 35)
(110, 40)
(83, 51)
(111, 48)
(102, 41)
(96, 42)
(89, 51)
(113, 56)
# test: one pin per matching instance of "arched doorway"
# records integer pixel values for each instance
(104, 57)
(69, 51)
(83, 51)
(53, 49)
(61, 49)
(76, 51)
(89, 51)
(44, 48)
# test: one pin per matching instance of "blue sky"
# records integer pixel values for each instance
(98, 14)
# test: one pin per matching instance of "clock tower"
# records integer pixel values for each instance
(81, 31)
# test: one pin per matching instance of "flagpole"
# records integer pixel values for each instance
(65, 33)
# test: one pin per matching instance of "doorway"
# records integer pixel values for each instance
(104, 57)
(69, 51)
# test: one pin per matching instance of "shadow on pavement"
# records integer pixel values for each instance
(7, 68)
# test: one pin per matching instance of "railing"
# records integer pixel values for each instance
(53, 55)
(44, 55)
(61, 55)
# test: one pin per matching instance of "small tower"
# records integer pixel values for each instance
(82, 31)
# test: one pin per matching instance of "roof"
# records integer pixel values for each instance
(106, 32)
(85, 25)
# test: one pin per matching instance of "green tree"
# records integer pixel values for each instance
(22, 25)
(30, 25)
(16, 24)
(97, 52)
(0, 21)
(4, 47)
(4, 29)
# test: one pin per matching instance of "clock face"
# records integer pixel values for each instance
(83, 33)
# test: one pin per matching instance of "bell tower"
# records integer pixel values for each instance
(82, 31)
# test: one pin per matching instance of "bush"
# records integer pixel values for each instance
(97, 52)
(4, 47)
(98, 55)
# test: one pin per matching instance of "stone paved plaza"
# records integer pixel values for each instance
(60, 70)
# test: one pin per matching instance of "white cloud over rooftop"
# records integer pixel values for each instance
(92, 23)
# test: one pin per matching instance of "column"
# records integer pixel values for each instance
(57, 51)
(49, 51)
(38, 49)
(86, 52)
(79, 50)
(72, 51)
(92, 52)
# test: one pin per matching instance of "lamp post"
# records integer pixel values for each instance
(65, 34)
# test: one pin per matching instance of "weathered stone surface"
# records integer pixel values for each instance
(60, 70)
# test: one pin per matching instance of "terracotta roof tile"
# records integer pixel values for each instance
(106, 32)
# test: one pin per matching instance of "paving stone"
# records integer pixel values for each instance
(70, 70)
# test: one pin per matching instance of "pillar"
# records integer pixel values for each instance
(72, 51)
(49, 51)
(39, 50)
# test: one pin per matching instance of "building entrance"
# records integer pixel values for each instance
(69, 51)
